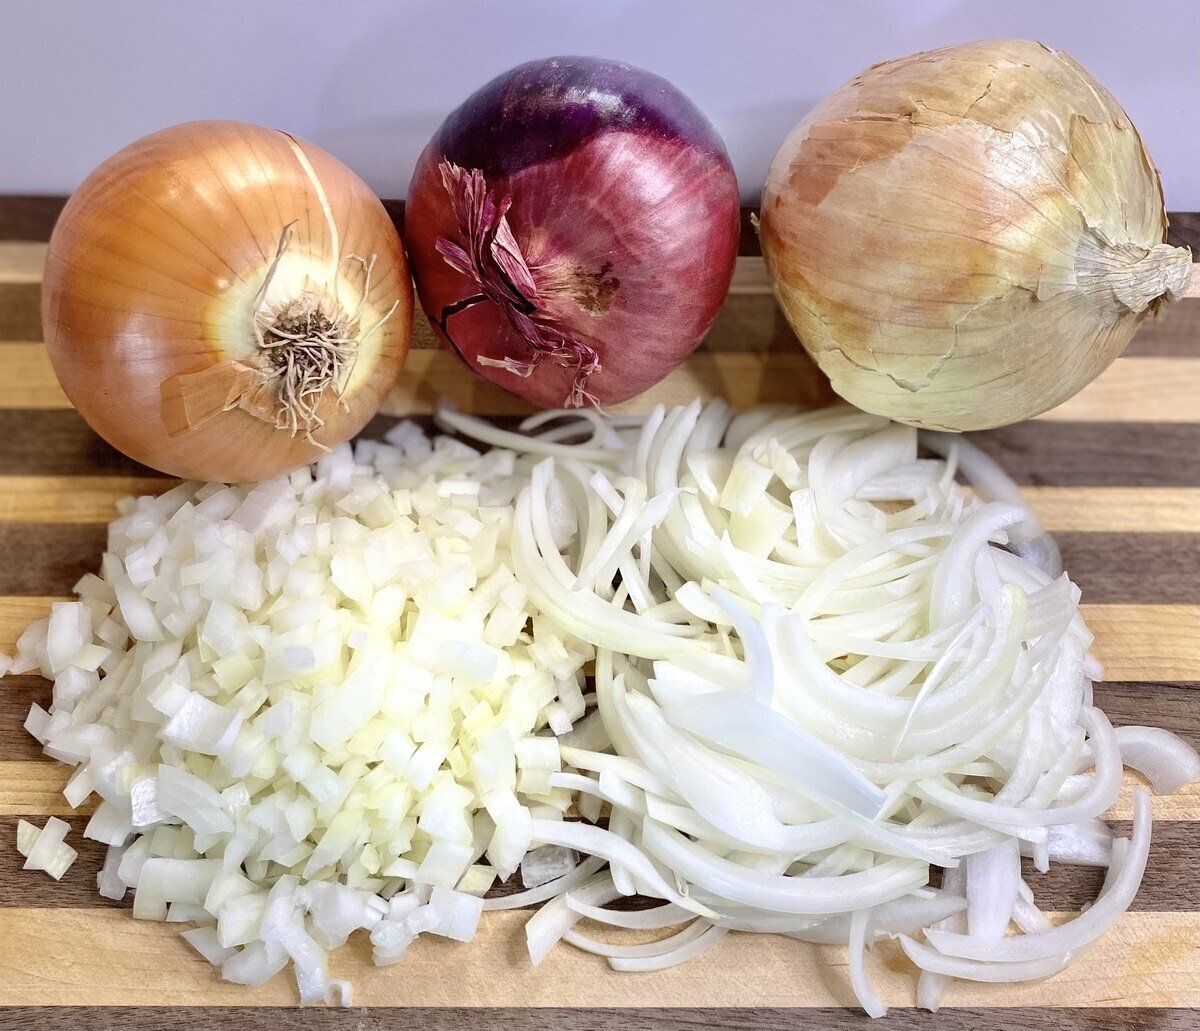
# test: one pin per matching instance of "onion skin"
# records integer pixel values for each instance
(624, 207)
(967, 237)
(151, 274)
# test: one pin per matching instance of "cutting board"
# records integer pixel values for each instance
(1114, 473)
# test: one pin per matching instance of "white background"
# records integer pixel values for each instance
(370, 80)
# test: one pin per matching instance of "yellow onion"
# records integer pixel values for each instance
(225, 302)
(967, 237)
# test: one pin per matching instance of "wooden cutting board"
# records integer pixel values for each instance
(1115, 473)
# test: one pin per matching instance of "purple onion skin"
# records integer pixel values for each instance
(616, 249)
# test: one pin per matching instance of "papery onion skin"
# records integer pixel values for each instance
(624, 211)
(967, 237)
(152, 272)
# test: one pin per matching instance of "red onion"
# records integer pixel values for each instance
(572, 230)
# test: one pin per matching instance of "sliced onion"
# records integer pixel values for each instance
(1165, 760)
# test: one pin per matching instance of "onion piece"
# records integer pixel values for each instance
(1065, 940)
(863, 990)
(681, 953)
(1165, 760)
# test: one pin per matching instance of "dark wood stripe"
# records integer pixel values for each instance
(1184, 231)
(316, 1018)
(29, 218)
(17, 694)
(746, 323)
(1111, 568)
(1170, 884)
(33, 218)
(1174, 334)
(48, 558)
(1133, 568)
(20, 311)
(57, 442)
(1172, 706)
(1083, 454)
(77, 889)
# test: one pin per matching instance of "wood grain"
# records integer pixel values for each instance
(1062, 455)
(48, 558)
(35, 786)
(86, 499)
(59, 443)
(1172, 706)
(1127, 567)
(1115, 474)
(103, 958)
(21, 262)
(1116, 509)
(1146, 642)
(1161, 390)
(1135, 642)
(26, 217)
(1169, 884)
(1141, 390)
(1077, 454)
(20, 311)
(73, 499)
(1110, 568)
(596, 1018)
(749, 321)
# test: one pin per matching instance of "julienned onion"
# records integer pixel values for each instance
(967, 237)
(225, 302)
(573, 227)
(824, 667)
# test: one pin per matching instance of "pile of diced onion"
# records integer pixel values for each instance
(312, 706)
(354, 698)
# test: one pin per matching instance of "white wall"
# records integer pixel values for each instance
(371, 79)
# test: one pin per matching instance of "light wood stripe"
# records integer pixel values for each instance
(103, 957)
(1146, 642)
(1115, 509)
(29, 380)
(92, 499)
(1134, 642)
(16, 613)
(430, 374)
(1131, 390)
(21, 262)
(34, 788)
(1137, 390)
(71, 499)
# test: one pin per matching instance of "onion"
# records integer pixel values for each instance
(828, 693)
(573, 228)
(967, 237)
(225, 302)
(333, 726)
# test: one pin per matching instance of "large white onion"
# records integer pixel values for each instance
(966, 237)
